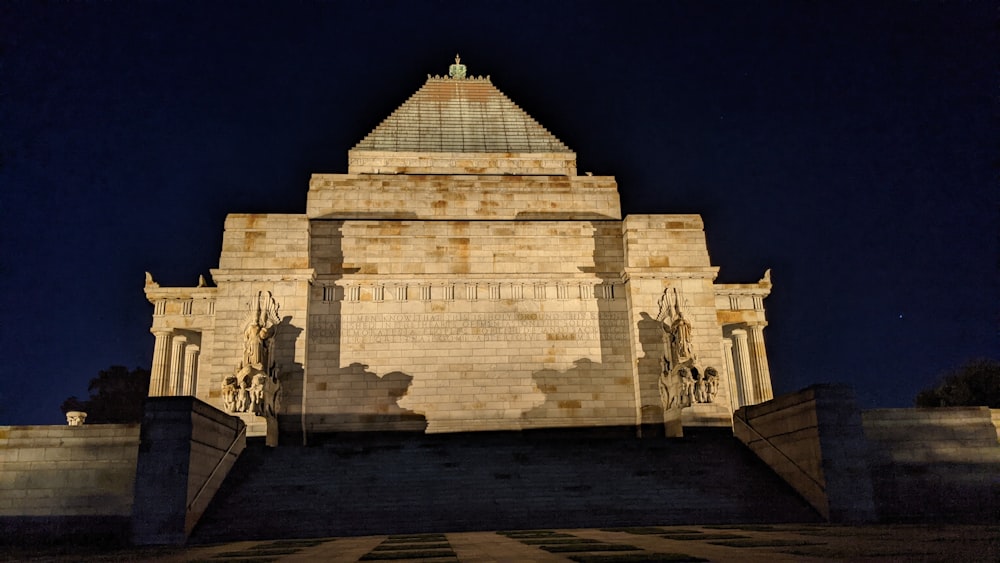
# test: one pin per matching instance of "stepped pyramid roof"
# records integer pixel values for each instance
(457, 125)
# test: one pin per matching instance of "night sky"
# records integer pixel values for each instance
(850, 146)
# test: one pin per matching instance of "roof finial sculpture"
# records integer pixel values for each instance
(457, 70)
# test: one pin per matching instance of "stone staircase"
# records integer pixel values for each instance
(377, 483)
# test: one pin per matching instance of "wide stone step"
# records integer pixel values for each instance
(383, 483)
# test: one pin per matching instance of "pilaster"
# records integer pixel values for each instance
(190, 384)
(744, 373)
(176, 365)
(161, 363)
(758, 361)
(727, 356)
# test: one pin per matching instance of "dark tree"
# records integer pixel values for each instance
(973, 384)
(116, 396)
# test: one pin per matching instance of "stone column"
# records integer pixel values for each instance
(741, 357)
(758, 360)
(161, 363)
(176, 365)
(727, 357)
(190, 370)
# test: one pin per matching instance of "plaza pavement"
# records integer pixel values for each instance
(731, 543)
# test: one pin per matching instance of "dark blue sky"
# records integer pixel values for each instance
(850, 146)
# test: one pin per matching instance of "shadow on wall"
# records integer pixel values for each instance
(350, 398)
(649, 362)
(563, 391)
(369, 401)
(290, 372)
(592, 392)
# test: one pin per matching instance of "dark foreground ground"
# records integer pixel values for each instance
(736, 543)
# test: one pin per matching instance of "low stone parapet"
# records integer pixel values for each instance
(65, 482)
(934, 463)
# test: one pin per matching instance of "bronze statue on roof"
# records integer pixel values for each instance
(457, 70)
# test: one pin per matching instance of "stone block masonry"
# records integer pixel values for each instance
(462, 276)
(67, 481)
(450, 197)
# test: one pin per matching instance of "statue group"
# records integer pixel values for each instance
(682, 381)
(254, 386)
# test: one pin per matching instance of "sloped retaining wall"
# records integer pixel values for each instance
(814, 441)
(186, 450)
(893, 465)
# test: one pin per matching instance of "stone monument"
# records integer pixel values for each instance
(461, 276)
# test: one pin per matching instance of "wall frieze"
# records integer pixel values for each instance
(269, 275)
(471, 290)
(703, 273)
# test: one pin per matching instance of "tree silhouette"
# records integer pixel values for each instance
(973, 384)
(116, 396)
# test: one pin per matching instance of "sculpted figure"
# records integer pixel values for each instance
(255, 345)
(259, 326)
(700, 396)
(685, 386)
(675, 328)
(680, 385)
(254, 388)
(711, 384)
(680, 338)
(243, 391)
(257, 393)
(230, 391)
(676, 385)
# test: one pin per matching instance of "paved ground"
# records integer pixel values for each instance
(772, 543)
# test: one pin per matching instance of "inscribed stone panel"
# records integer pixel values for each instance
(488, 364)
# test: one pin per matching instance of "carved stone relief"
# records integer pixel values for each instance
(683, 382)
(254, 386)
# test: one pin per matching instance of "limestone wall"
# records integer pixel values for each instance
(64, 480)
(395, 162)
(261, 253)
(443, 326)
(265, 242)
(445, 197)
(661, 252)
(497, 251)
